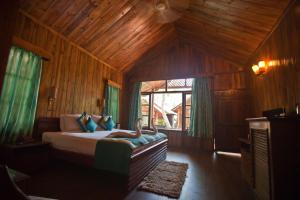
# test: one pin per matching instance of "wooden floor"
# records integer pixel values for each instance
(210, 176)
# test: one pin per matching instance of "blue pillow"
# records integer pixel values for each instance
(82, 120)
(91, 125)
(102, 122)
(110, 124)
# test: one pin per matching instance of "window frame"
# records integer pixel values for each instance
(149, 109)
(184, 93)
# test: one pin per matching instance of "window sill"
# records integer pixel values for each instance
(173, 130)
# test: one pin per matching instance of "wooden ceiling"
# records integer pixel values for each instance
(232, 29)
(120, 32)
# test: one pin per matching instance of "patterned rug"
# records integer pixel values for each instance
(166, 179)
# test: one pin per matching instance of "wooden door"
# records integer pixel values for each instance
(231, 110)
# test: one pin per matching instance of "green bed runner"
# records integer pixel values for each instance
(113, 154)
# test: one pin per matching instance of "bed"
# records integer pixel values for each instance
(131, 163)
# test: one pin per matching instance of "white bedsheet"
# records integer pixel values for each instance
(84, 143)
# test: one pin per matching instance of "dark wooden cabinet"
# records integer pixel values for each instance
(246, 161)
(275, 159)
(27, 158)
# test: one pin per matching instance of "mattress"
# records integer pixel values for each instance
(78, 142)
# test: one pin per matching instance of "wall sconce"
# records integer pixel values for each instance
(260, 68)
(52, 95)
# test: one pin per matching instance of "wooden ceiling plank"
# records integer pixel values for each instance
(133, 43)
(214, 38)
(78, 19)
(243, 8)
(95, 22)
(269, 4)
(143, 28)
(229, 20)
(102, 23)
(64, 38)
(221, 30)
(112, 32)
(79, 9)
(223, 12)
(40, 8)
(28, 5)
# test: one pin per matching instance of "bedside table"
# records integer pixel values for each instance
(29, 157)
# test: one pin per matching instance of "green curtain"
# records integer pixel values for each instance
(201, 124)
(112, 102)
(19, 94)
(135, 105)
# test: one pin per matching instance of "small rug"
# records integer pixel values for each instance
(166, 179)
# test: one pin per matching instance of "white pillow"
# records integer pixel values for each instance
(68, 123)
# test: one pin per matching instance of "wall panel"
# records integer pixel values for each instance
(280, 86)
(80, 79)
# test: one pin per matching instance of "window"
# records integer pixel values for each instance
(112, 102)
(168, 102)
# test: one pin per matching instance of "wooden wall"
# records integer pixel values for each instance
(80, 78)
(229, 89)
(8, 9)
(280, 87)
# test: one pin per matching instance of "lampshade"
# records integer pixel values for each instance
(261, 64)
(260, 68)
(255, 69)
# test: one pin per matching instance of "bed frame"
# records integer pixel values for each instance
(141, 161)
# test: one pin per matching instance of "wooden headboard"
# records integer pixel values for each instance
(45, 124)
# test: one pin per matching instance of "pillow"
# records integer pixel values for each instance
(67, 122)
(91, 125)
(110, 124)
(102, 122)
(97, 119)
(82, 121)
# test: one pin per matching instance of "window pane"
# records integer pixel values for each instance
(145, 110)
(188, 99)
(187, 111)
(187, 123)
(167, 110)
(154, 86)
(145, 99)
(179, 85)
(145, 121)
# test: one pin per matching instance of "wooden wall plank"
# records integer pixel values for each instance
(280, 86)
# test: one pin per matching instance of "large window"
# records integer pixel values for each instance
(168, 102)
